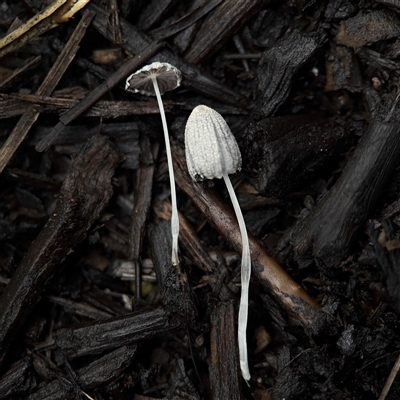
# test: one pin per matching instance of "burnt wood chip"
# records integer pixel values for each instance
(152, 12)
(140, 212)
(98, 373)
(85, 192)
(97, 337)
(225, 379)
(189, 242)
(340, 9)
(184, 38)
(221, 25)
(328, 231)
(368, 28)
(17, 379)
(136, 41)
(393, 3)
(187, 21)
(277, 67)
(80, 308)
(342, 70)
(388, 260)
(125, 136)
(175, 290)
(283, 152)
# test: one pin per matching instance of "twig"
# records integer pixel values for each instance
(127, 68)
(390, 379)
(46, 89)
(143, 196)
(271, 275)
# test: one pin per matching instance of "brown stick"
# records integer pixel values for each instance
(287, 292)
(224, 361)
(12, 106)
(127, 68)
(84, 194)
(188, 238)
(139, 215)
(390, 379)
(8, 82)
(46, 89)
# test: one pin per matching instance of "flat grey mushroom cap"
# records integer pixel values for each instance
(211, 149)
(168, 78)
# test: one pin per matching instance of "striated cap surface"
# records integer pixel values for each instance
(211, 149)
(168, 78)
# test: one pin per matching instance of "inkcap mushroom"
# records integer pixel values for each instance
(212, 152)
(154, 80)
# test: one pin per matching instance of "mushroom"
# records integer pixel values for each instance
(156, 79)
(212, 152)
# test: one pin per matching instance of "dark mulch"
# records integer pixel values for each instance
(90, 304)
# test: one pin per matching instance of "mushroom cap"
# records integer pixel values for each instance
(168, 78)
(211, 148)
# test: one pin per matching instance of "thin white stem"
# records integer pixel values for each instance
(245, 275)
(174, 214)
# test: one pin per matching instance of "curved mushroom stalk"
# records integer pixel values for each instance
(245, 280)
(212, 152)
(156, 79)
(174, 206)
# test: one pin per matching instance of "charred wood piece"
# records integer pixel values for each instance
(98, 373)
(277, 67)
(368, 28)
(220, 26)
(175, 290)
(328, 231)
(187, 21)
(225, 379)
(140, 212)
(85, 193)
(342, 70)
(17, 379)
(97, 337)
(188, 239)
(283, 152)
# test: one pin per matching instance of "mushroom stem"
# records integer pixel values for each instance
(174, 214)
(245, 277)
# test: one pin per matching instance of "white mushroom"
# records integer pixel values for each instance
(156, 79)
(212, 152)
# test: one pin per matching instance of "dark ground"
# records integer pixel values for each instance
(309, 89)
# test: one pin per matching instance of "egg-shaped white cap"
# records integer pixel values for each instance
(168, 78)
(211, 148)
